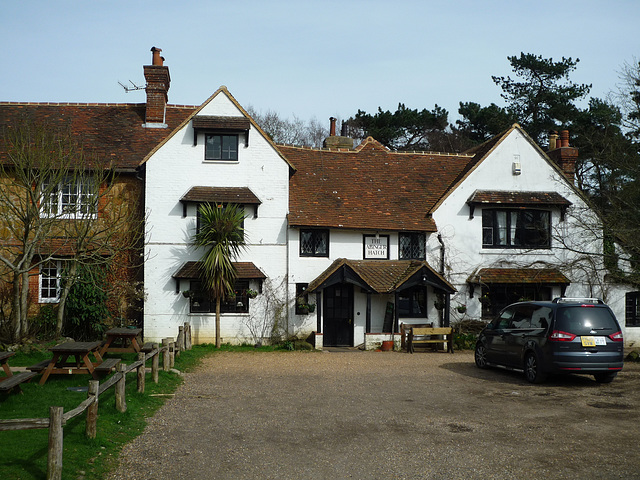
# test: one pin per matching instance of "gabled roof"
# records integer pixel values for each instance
(381, 276)
(222, 90)
(482, 151)
(112, 133)
(369, 187)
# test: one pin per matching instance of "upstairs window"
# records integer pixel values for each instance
(223, 206)
(516, 228)
(412, 246)
(314, 243)
(221, 147)
(71, 198)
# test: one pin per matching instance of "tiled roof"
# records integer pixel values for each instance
(239, 195)
(369, 187)
(383, 276)
(519, 275)
(498, 197)
(112, 133)
(243, 269)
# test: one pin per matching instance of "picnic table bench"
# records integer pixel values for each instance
(425, 335)
(82, 364)
(12, 381)
(121, 340)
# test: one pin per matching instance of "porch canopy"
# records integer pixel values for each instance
(193, 271)
(548, 276)
(220, 195)
(499, 198)
(382, 277)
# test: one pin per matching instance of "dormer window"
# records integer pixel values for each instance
(221, 147)
(221, 136)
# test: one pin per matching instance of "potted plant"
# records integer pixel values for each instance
(252, 293)
(461, 308)
(311, 307)
(187, 294)
(439, 304)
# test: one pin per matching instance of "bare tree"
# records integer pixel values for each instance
(293, 132)
(58, 206)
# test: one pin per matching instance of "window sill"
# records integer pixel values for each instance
(223, 162)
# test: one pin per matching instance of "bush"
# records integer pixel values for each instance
(86, 308)
(43, 326)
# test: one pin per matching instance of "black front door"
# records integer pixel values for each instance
(338, 316)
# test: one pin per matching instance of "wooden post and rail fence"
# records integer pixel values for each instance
(57, 418)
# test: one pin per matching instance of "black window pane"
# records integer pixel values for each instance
(314, 243)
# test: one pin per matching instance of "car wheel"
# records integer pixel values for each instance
(605, 377)
(532, 369)
(481, 356)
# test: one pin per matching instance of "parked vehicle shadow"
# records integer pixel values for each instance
(516, 377)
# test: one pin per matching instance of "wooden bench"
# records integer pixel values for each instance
(38, 367)
(405, 328)
(14, 381)
(424, 336)
(107, 365)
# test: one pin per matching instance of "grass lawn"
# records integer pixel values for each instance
(24, 452)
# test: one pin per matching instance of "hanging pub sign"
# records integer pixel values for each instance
(376, 247)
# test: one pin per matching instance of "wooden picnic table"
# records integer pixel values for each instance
(121, 340)
(81, 364)
(4, 358)
(10, 381)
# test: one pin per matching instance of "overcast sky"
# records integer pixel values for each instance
(308, 58)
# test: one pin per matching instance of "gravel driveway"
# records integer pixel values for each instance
(370, 415)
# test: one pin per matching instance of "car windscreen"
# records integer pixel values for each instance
(585, 320)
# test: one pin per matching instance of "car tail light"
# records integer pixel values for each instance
(616, 337)
(560, 336)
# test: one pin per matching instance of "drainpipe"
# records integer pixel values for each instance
(444, 313)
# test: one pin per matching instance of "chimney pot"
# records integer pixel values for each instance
(553, 141)
(564, 138)
(156, 59)
(332, 129)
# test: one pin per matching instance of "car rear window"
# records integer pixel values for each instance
(581, 320)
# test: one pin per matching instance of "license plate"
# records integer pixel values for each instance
(593, 341)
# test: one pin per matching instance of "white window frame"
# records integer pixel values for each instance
(71, 198)
(46, 275)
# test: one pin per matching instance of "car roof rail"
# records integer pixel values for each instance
(578, 300)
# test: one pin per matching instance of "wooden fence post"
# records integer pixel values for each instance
(91, 427)
(165, 355)
(180, 341)
(121, 401)
(54, 457)
(187, 336)
(155, 363)
(141, 372)
(172, 354)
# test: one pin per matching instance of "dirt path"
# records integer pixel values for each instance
(386, 415)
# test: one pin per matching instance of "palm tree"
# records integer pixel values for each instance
(222, 233)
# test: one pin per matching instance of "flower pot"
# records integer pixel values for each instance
(387, 346)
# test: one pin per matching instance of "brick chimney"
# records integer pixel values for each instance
(337, 141)
(158, 80)
(562, 154)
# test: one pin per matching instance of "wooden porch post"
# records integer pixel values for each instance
(368, 326)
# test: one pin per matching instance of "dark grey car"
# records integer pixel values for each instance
(562, 336)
